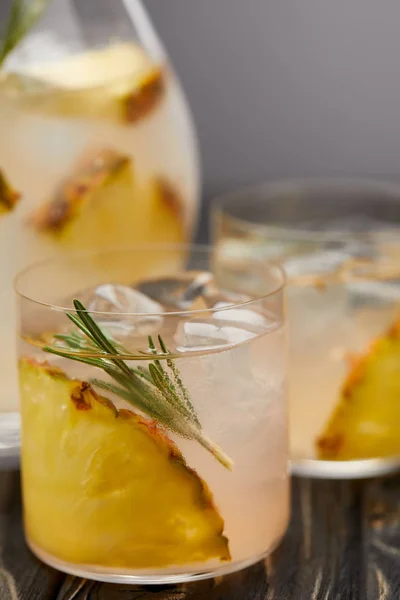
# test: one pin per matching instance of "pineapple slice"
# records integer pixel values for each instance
(366, 422)
(100, 204)
(104, 486)
(8, 196)
(118, 83)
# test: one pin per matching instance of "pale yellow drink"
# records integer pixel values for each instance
(101, 150)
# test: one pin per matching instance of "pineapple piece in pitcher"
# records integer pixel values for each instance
(105, 486)
(8, 196)
(118, 83)
(101, 204)
(366, 422)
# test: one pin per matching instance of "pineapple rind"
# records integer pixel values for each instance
(8, 196)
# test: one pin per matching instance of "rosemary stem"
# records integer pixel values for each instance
(213, 448)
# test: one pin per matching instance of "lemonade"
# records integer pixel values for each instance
(97, 150)
(154, 444)
(339, 242)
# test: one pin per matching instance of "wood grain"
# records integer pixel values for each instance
(382, 539)
(22, 577)
(343, 544)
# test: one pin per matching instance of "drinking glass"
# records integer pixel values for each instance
(339, 241)
(97, 148)
(154, 422)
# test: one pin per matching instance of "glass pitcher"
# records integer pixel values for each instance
(97, 147)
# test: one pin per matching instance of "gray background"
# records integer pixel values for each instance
(287, 87)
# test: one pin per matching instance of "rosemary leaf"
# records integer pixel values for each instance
(97, 336)
(168, 395)
(71, 356)
(177, 377)
(130, 396)
(142, 372)
(81, 326)
(179, 400)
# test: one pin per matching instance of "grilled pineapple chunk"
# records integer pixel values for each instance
(8, 196)
(104, 486)
(119, 83)
(101, 204)
(366, 422)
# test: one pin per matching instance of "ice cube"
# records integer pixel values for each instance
(345, 253)
(190, 291)
(115, 298)
(196, 335)
(238, 315)
(315, 263)
(111, 297)
(193, 290)
(315, 315)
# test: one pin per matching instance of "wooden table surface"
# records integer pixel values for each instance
(343, 544)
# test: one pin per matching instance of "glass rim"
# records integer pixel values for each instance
(222, 204)
(268, 265)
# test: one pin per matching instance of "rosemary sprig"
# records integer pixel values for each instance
(24, 14)
(157, 391)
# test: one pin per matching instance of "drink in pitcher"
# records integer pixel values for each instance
(97, 147)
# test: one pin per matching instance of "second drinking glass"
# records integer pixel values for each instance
(339, 241)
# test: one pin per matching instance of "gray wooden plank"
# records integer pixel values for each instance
(22, 577)
(382, 539)
(343, 544)
(321, 557)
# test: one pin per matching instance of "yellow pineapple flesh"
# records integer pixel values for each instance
(118, 83)
(104, 486)
(8, 196)
(100, 203)
(366, 421)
